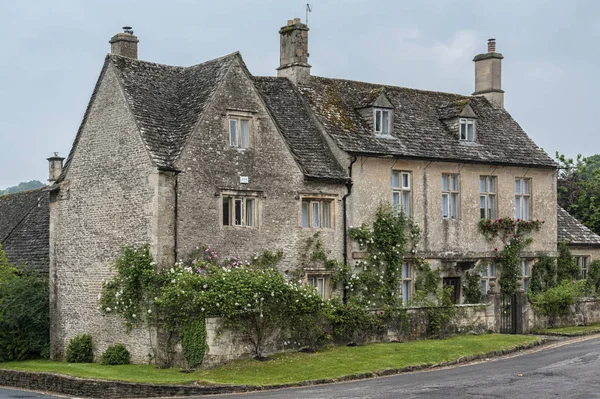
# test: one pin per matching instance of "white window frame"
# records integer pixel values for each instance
(402, 192)
(488, 197)
(248, 210)
(583, 261)
(406, 283)
(450, 196)
(238, 139)
(488, 274)
(320, 281)
(463, 130)
(382, 124)
(308, 219)
(523, 198)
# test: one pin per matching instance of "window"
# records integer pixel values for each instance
(522, 198)
(488, 274)
(526, 275)
(239, 211)
(317, 213)
(406, 283)
(320, 282)
(449, 196)
(467, 129)
(401, 192)
(582, 262)
(239, 132)
(487, 197)
(382, 121)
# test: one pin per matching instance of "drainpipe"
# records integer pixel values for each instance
(344, 206)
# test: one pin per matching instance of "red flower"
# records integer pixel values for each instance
(495, 249)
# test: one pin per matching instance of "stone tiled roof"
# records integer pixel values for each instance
(299, 129)
(571, 231)
(25, 228)
(418, 129)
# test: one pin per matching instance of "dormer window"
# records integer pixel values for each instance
(467, 129)
(382, 121)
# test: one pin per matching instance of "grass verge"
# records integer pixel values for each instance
(571, 330)
(294, 367)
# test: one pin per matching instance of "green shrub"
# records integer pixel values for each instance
(115, 354)
(593, 278)
(557, 301)
(193, 342)
(24, 313)
(352, 323)
(80, 349)
(472, 286)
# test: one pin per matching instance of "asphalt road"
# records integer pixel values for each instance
(564, 370)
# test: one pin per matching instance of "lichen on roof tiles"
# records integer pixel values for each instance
(572, 231)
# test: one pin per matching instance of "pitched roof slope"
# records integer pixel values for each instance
(571, 231)
(167, 101)
(304, 138)
(25, 228)
(418, 127)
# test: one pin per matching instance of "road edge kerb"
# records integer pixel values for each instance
(93, 388)
(569, 335)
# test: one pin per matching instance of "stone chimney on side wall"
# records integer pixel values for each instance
(55, 164)
(293, 52)
(125, 44)
(488, 75)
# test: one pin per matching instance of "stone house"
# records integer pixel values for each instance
(583, 243)
(176, 156)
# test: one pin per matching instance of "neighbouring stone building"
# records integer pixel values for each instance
(176, 156)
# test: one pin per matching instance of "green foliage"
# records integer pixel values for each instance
(385, 244)
(23, 186)
(131, 293)
(80, 349)
(543, 275)
(427, 280)
(24, 313)
(593, 278)
(193, 342)
(472, 286)
(115, 354)
(556, 302)
(352, 322)
(396, 319)
(512, 234)
(579, 188)
(566, 265)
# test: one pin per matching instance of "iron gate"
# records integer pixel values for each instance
(508, 314)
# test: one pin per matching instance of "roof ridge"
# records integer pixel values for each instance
(158, 64)
(383, 85)
(23, 192)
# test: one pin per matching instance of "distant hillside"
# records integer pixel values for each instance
(30, 185)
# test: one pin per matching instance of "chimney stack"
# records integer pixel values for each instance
(488, 75)
(293, 56)
(125, 44)
(56, 164)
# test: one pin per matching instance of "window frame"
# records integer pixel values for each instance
(526, 269)
(489, 212)
(312, 277)
(402, 192)
(466, 122)
(320, 202)
(382, 129)
(229, 200)
(452, 195)
(583, 262)
(487, 274)
(241, 142)
(521, 197)
(406, 280)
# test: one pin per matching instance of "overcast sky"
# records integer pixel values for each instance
(51, 53)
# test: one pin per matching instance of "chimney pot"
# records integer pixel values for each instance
(491, 45)
(55, 164)
(293, 51)
(125, 44)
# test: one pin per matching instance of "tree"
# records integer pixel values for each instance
(23, 186)
(579, 188)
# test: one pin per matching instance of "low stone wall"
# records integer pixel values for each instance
(585, 311)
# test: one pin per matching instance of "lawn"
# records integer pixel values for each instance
(571, 330)
(294, 367)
